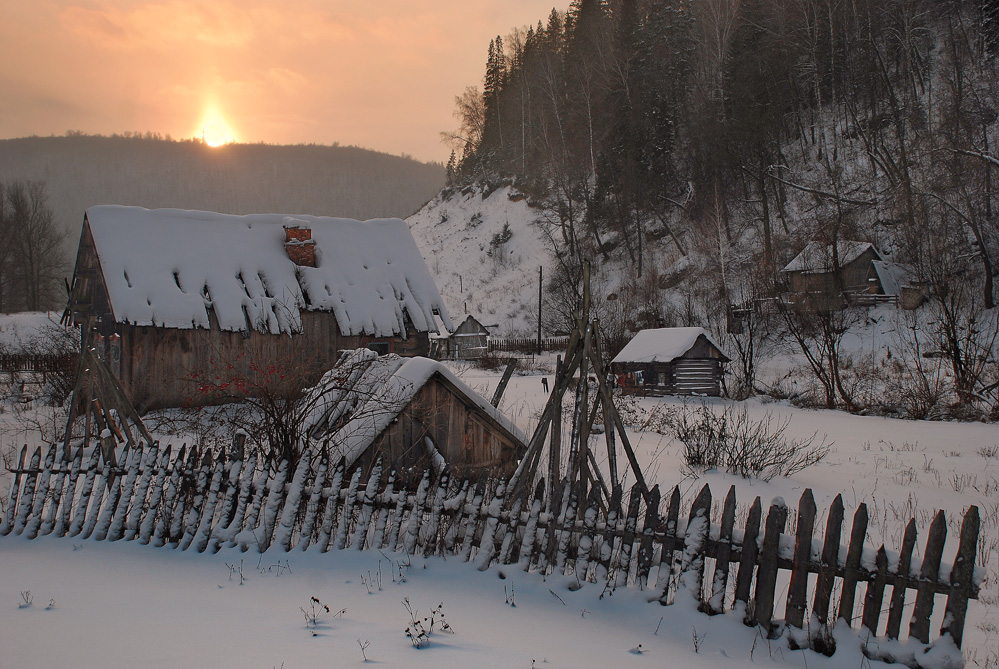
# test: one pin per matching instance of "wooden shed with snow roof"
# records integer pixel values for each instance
(191, 307)
(670, 361)
(469, 341)
(413, 412)
(818, 278)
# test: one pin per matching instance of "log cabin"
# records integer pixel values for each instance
(670, 361)
(190, 308)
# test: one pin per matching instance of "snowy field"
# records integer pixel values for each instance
(121, 604)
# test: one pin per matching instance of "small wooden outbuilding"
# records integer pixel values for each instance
(413, 412)
(469, 341)
(670, 361)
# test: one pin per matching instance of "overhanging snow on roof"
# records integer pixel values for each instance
(170, 267)
(366, 393)
(661, 345)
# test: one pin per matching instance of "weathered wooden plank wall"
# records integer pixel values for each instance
(204, 501)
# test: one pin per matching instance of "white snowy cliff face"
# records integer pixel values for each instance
(495, 282)
(170, 267)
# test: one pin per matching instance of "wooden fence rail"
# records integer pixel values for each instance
(202, 500)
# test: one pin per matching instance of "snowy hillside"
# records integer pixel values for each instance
(484, 253)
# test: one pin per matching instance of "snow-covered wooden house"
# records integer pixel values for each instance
(186, 306)
(413, 412)
(813, 279)
(670, 361)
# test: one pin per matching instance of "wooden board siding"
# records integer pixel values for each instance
(818, 288)
(468, 439)
(169, 367)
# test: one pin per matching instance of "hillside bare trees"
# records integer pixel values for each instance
(708, 142)
(32, 261)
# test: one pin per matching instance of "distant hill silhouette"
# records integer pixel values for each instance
(148, 171)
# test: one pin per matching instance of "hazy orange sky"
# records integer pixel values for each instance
(381, 74)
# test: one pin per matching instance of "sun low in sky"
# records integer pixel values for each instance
(214, 130)
(382, 75)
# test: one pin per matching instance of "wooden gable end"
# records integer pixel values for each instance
(466, 436)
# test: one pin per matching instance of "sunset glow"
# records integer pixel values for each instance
(379, 75)
(214, 130)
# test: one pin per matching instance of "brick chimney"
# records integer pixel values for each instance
(299, 244)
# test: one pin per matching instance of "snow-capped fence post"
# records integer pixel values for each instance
(723, 553)
(585, 545)
(8, 519)
(649, 528)
(663, 579)
(961, 577)
(204, 531)
(156, 494)
(695, 538)
(827, 575)
(68, 493)
(605, 545)
(367, 505)
(875, 593)
(851, 572)
(332, 501)
(901, 581)
(127, 487)
(315, 501)
(472, 520)
(198, 501)
(797, 589)
(487, 545)
(28, 492)
(750, 551)
(508, 547)
(34, 520)
(138, 506)
(80, 515)
(61, 473)
(169, 495)
(919, 628)
(384, 507)
(293, 499)
(628, 541)
(428, 535)
(766, 574)
(395, 525)
(528, 547)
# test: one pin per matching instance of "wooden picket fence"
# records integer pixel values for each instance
(201, 500)
(528, 345)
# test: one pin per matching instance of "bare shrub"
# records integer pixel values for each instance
(732, 441)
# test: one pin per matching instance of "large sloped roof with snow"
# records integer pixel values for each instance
(817, 256)
(170, 267)
(661, 345)
(364, 393)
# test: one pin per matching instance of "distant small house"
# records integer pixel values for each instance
(670, 361)
(470, 340)
(812, 278)
(180, 302)
(413, 412)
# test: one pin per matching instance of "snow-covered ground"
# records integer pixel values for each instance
(121, 604)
